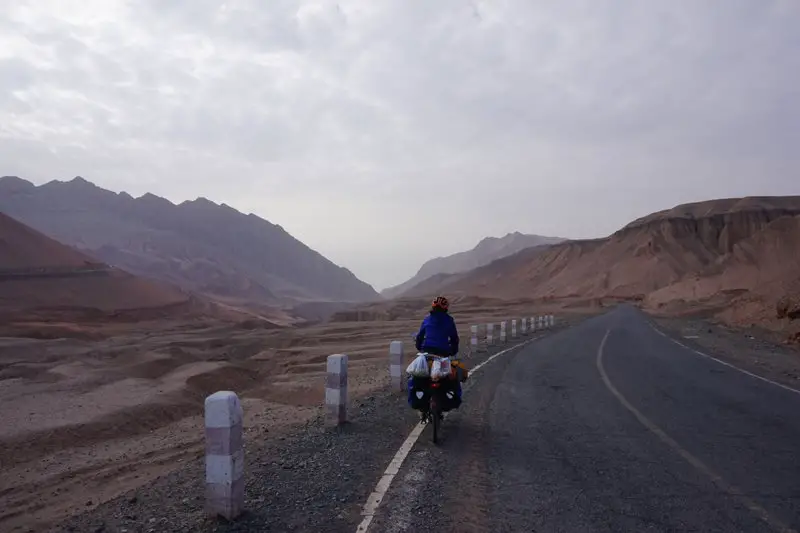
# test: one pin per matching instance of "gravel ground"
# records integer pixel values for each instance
(312, 479)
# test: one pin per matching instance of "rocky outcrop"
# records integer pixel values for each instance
(788, 307)
(716, 232)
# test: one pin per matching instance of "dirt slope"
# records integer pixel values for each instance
(22, 247)
(37, 272)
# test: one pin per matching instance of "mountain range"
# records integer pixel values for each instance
(737, 258)
(486, 251)
(200, 246)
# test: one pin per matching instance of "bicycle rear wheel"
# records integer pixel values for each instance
(436, 416)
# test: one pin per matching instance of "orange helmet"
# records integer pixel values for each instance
(441, 302)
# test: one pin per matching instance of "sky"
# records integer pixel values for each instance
(385, 133)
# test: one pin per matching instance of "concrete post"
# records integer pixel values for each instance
(541, 321)
(336, 390)
(524, 326)
(533, 323)
(503, 332)
(224, 455)
(396, 365)
(489, 334)
(473, 341)
(514, 328)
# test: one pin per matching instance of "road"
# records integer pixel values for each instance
(606, 426)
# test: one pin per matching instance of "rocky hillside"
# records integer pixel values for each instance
(756, 282)
(486, 251)
(198, 245)
(734, 257)
(450, 283)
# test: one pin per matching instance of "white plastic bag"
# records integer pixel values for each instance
(418, 367)
(441, 368)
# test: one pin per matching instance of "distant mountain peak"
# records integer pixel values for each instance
(14, 179)
(15, 184)
(487, 250)
(200, 200)
(155, 200)
(80, 180)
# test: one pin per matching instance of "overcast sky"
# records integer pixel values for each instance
(383, 133)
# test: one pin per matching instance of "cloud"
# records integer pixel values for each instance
(385, 133)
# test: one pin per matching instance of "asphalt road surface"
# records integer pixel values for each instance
(607, 426)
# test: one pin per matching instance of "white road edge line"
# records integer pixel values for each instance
(729, 365)
(375, 499)
(701, 467)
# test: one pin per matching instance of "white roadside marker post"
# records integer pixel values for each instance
(336, 390)
(224, 455)
(473, 341)
(396, 365)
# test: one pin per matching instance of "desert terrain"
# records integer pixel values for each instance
(91, 419)
(104, 372)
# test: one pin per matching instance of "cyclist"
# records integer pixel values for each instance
(438, 335)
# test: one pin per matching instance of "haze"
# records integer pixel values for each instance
(386, 133)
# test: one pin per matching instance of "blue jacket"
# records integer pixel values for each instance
(438, 332)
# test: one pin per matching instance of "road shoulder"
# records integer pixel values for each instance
(747, 350)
